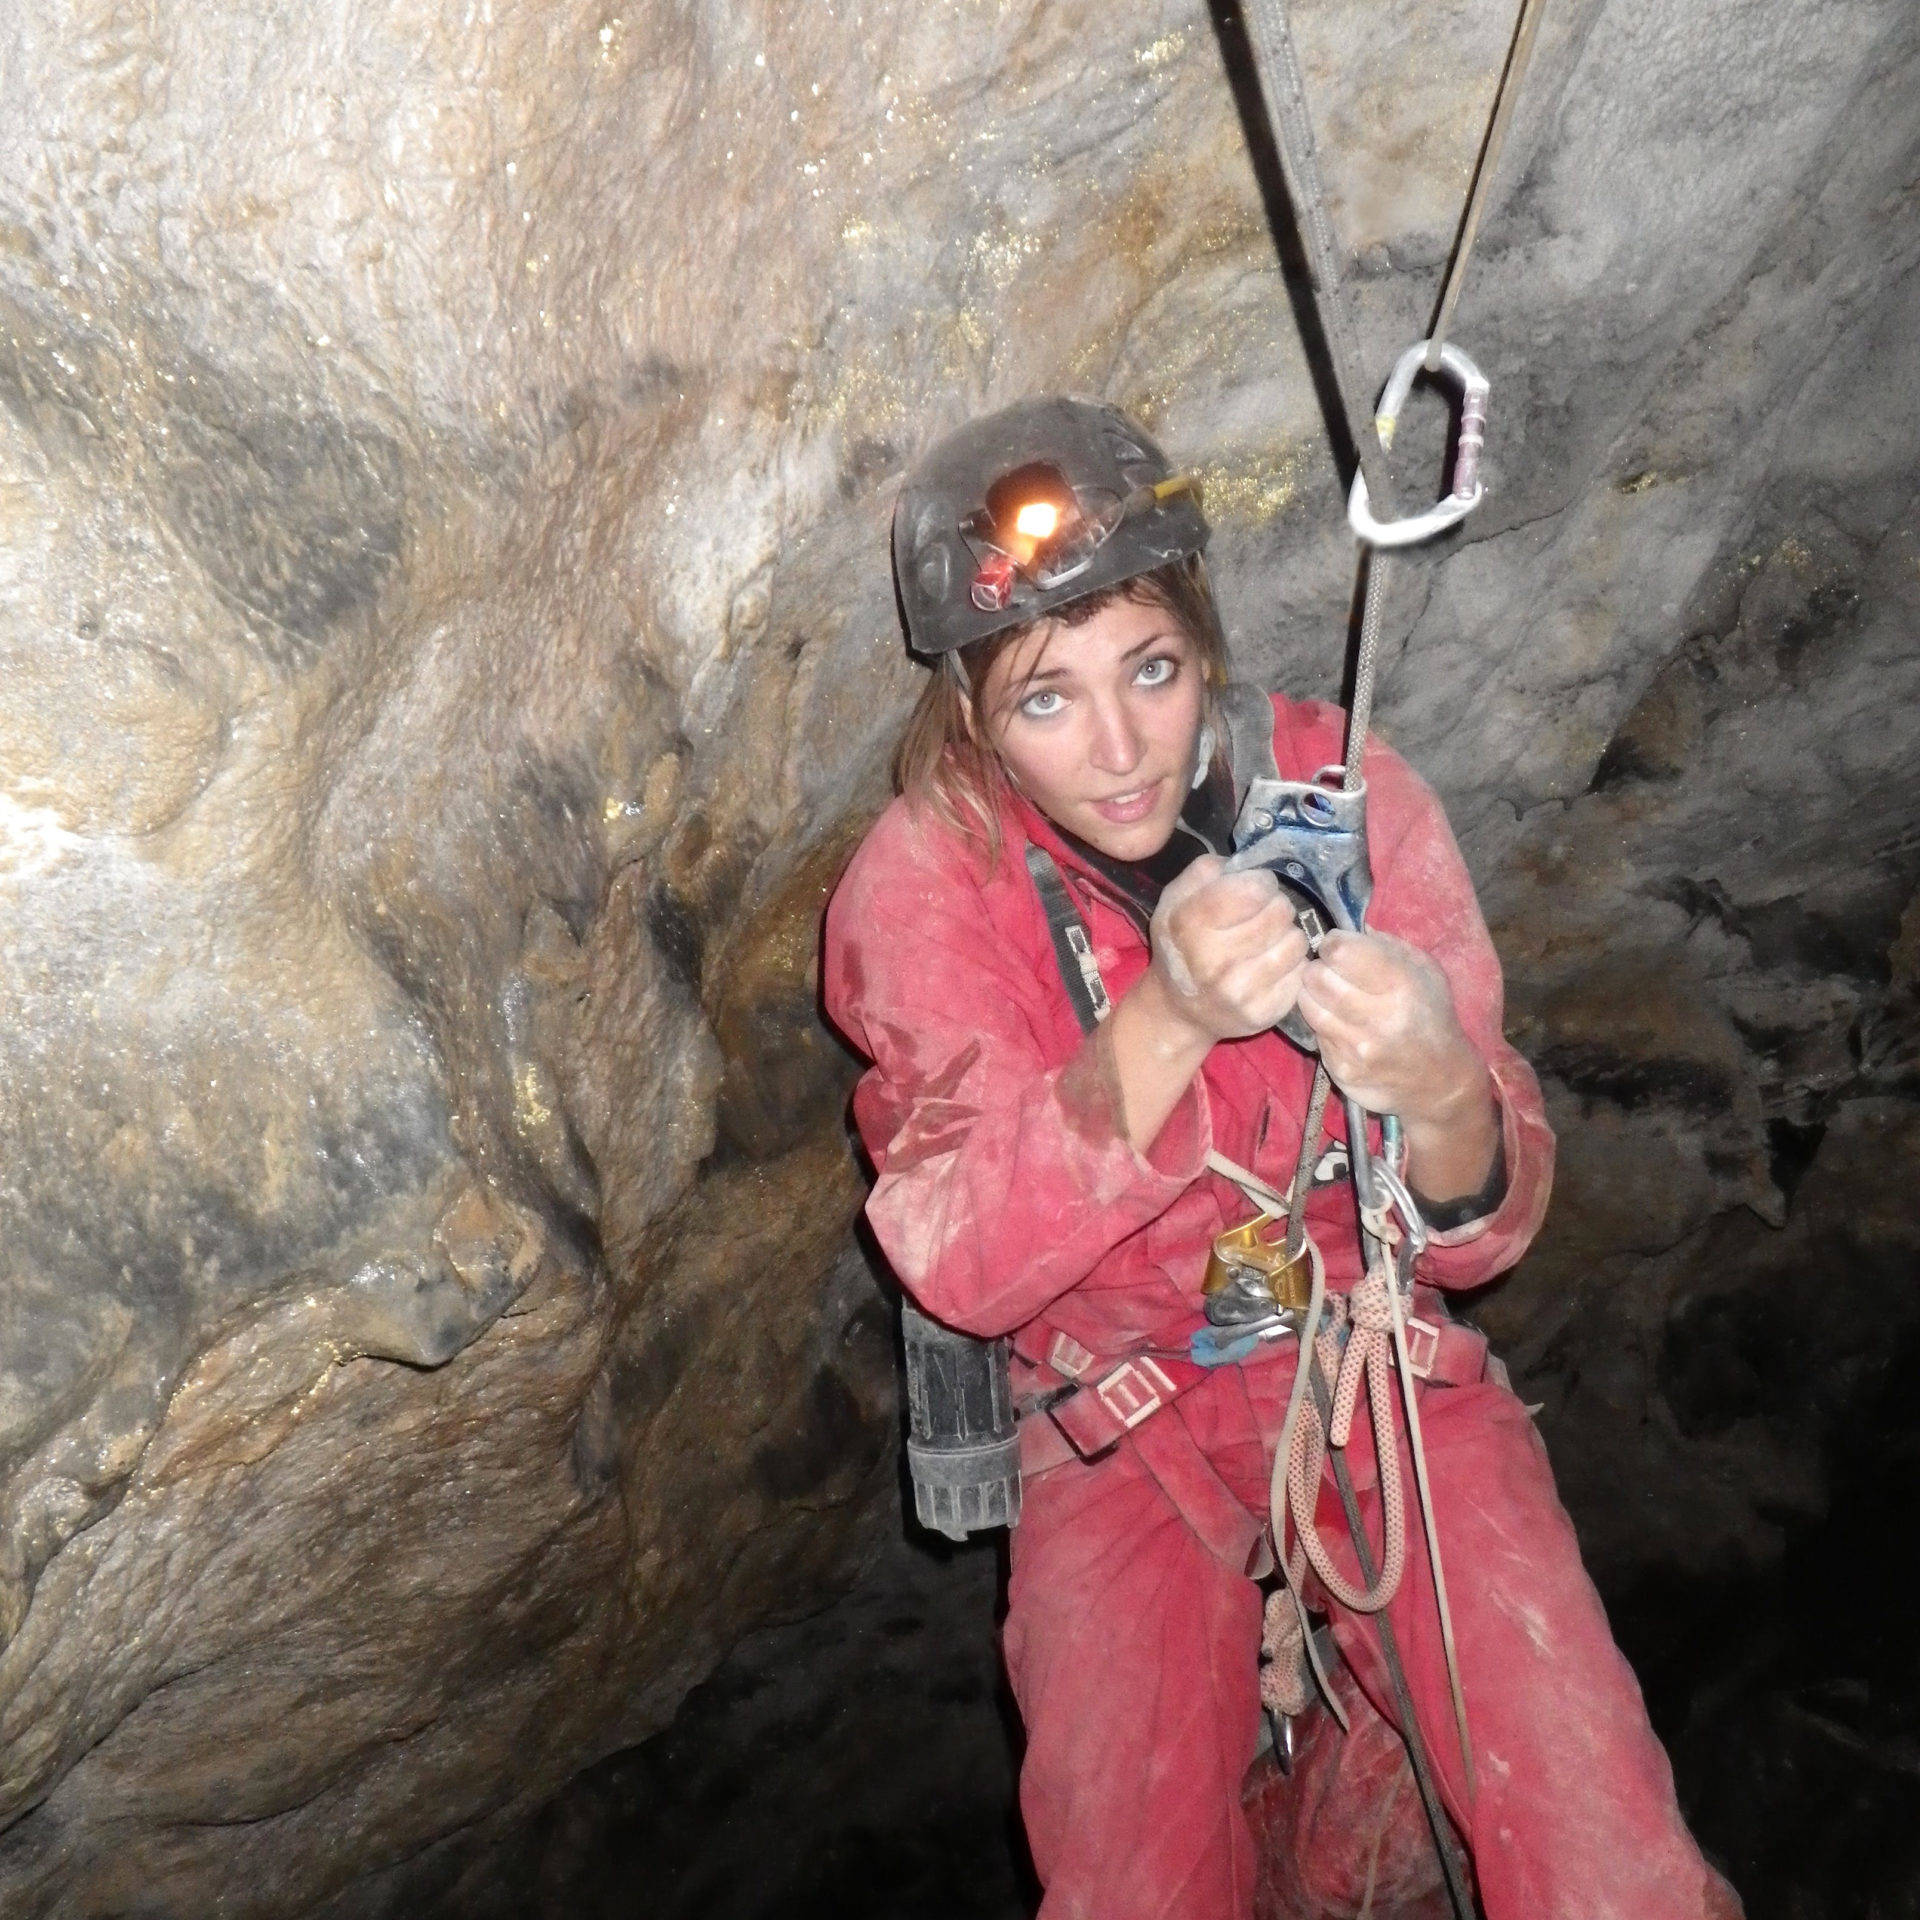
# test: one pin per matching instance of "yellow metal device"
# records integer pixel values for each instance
(1260, 1247)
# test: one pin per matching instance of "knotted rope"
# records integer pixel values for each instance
(1366, 1359)
(1367, 1316)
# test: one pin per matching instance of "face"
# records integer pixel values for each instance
(1097, 724)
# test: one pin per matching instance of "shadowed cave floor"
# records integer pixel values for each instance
(857, 1763)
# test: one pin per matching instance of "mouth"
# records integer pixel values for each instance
(1135, 804)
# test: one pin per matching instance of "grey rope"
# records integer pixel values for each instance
(1366, 668)
(1277, 66)
(1366, 661)
(1310, 1136)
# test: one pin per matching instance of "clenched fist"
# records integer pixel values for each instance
(1383, 1014)
(1228, 950)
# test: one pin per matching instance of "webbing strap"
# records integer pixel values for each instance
(1072, 944)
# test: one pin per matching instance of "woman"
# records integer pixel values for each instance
(1053, 1185)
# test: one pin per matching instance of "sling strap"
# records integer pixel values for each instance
(1072, 944)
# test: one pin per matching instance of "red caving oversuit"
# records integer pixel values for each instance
(1008, 1200)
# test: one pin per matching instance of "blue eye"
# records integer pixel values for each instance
(1157, 671)
(1038, 706)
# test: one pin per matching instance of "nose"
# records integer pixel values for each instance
(1117, 745)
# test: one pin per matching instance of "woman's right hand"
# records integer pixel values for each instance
(1228, 951)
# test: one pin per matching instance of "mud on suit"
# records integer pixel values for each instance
(1008, 1200)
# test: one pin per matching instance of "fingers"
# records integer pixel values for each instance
(1199, 902)
(1383, 1014)
(1256, 971)
(1359, 998)
(1262, 988)
(1374, 960)
(1230, 945)
(1354, 1058)
(1267, 938)
(1331, 995)
(1189, 881)
(1238, 897)
(1377, 981)
(1273, 923)
(1228, 918)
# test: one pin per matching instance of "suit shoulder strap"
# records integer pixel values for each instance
(1072, 944)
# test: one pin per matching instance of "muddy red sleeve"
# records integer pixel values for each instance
(1004, 1174)
(1423, 894)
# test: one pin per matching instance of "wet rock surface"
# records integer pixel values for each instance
(444, 463)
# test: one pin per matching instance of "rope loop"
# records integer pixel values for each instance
(1379, 1222)
(1284, 1685)
(1363, 1358)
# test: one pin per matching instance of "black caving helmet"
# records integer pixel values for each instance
(1029, 509)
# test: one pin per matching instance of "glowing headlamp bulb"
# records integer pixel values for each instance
(1037, 520)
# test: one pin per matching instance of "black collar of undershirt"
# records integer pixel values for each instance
(1205, 826)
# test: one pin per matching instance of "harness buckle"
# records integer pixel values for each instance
(1067, 1357)
(1135, 1389)
(1423, 1347)
(1465, 491)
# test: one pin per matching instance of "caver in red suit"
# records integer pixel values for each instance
(1009, 1201)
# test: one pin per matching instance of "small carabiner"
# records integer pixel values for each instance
(1466, 488)
(1403, 1203)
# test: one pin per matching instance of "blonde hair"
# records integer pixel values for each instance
(951, 767)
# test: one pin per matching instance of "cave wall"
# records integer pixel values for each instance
(445, 457)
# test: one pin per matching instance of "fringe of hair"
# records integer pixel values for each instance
(941, 763)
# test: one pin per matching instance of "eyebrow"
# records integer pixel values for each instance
(1133, 652)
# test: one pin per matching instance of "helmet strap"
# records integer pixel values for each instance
(950, 662)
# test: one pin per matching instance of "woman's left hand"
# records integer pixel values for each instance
(1383, 1013)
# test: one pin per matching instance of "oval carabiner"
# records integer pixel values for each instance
(1466, 488)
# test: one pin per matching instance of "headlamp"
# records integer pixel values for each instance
(1036, 526)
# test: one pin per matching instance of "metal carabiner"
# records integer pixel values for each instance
(1404, 1205)
(1466, 488)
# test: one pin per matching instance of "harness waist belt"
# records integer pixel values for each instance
(1107, 1406)
(1104, 1400)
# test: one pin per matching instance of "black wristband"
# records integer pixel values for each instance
(1442, 1216)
